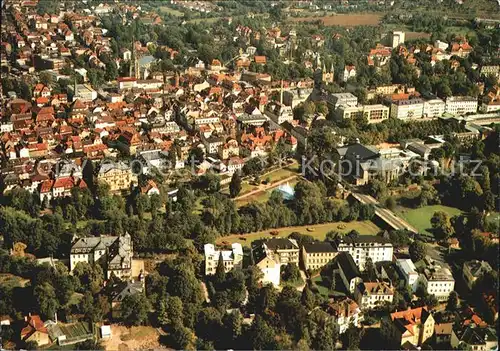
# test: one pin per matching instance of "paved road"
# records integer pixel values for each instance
(385, 214)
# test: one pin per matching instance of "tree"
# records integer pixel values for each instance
(377, 188)
(235, 185)
(308, 299)
(183, 338)
(417, 250)
(46, 300)
(134, 309)
(452, 303)
(45, 78)
(196, 155)
(370, 269)
(353, 337)
(291, 273)
(91, 276)
(261, 335)
(442, 225)
(209, 182)
(220, 271)
(390, 203)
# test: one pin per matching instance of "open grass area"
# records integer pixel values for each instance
(11, 281)
(420, 218)
(344, 20)
(171, 11)
(261, 196)
(318, 231)
(205, 20)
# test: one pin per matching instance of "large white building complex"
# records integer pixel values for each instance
(460, 105)
(113, 253)
(366, 246)
(407, 109)
(232, 258)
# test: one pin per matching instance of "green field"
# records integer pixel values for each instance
(420, 218)
(261, 196)
(318, 231)
(171, 11)
(10, 281)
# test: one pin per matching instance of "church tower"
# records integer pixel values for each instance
(327, 77)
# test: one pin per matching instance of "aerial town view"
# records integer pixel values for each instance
(249, 175)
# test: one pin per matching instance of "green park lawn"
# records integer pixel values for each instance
(317, 231)
(420, 218)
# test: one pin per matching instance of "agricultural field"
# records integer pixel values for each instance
(345, 20)
(317, 231)
(420, 218)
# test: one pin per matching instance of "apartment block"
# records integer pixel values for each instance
(407, 109)
(434, 108)
(366, 246)
(461, 105)
(317, 255)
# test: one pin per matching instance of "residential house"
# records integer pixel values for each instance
(287, 250)
(474, 269)
(269, 264)
(370, 295)
(349, 72)
(344, 312)
(475, 338)
(279, 113)
(35, 331)
(437, 280)
(414, 326)
(234, 164)
(317, 255)
(118, 175)
(362, 247)
(114, 253)
(443, 333)
(232, 259)
(344, 265)
(229, 149)
(120, 291)
(460, 48)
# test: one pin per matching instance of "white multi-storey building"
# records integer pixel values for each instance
(114, 253)
(460, 105)
(373, 113)
(434, 108)
(407, 109)
(341, 99)
(437, 280)
(279, 113)
(374, 294)
(344, 313)
(232, 258)
(363, 247)
(409, 271)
